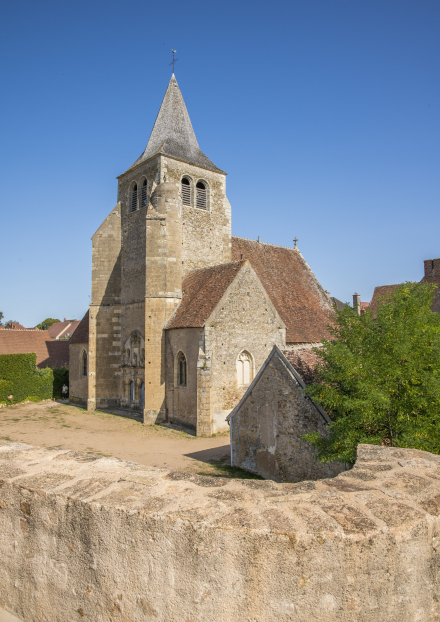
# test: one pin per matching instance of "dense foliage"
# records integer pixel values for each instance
(20, 378)
(380, 378)
(47, 323)
(60, 377)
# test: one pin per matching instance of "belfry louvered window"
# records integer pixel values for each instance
(200, 195)
(186, 191)
(144, 194)
(134, 198)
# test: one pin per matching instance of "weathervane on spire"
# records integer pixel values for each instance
(174, 59)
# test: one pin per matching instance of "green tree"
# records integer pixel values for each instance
(379, 379)
(1, 318)
(47, 323)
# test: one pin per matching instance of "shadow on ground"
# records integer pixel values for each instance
(217, 461)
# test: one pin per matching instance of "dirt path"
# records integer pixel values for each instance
(53, 424)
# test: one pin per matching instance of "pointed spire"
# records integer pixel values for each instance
(173, 133)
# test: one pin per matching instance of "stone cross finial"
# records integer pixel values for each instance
(174, 59)
(295, 240)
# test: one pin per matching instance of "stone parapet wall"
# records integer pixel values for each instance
(88, 538)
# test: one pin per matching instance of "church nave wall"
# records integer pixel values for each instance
(244, 322)
(181, 399)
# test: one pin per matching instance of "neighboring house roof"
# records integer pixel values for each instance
(381, 292)
(292, 287)
(201, 292)
(364, 306)
(61, 330)
(17, 326)
(339, 304)
(304, 361)
(49, 353)
(173, 133)
(296, 378)
(81, 334)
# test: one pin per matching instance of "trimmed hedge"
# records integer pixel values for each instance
(20, 378)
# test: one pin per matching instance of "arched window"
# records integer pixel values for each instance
(201, 195)
(144, 194)
(186, 191)
(181, 370)
(244, 369)
(84, 363)
(132, 391)
(134, 198)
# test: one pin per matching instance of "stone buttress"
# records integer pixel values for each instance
(163, 290)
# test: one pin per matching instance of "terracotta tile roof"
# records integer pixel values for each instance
(60, 330)
(382, 291)
(202, 290)
(81, 334)
(17, 326)
(58, 354)
(304, 361)
(292, 287)
(49, 353)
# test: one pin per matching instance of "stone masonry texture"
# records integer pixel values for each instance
(99, 539)
(268, 424)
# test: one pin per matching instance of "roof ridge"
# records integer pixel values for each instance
(218, 265)
(289, 248)
(23, 330)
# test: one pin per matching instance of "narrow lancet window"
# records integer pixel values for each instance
(186, 191)
(201, 195)
(84, 364)
(181, 370)
(244, 369)
(144, 194)
(134, 198)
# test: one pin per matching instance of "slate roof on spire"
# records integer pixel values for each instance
(173, 133)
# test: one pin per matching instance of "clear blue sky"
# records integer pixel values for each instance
(325, 114)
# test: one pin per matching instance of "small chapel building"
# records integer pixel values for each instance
(183, 314)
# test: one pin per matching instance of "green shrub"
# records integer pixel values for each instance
(20, 378)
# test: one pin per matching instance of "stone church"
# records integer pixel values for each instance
(183, 314)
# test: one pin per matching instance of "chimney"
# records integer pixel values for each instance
(357, 303)
(432, 270)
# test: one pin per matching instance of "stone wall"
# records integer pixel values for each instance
(78, 383)
(244, 320)
(181, 401)
(104, 327)
(88, 538)
(268, 424)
